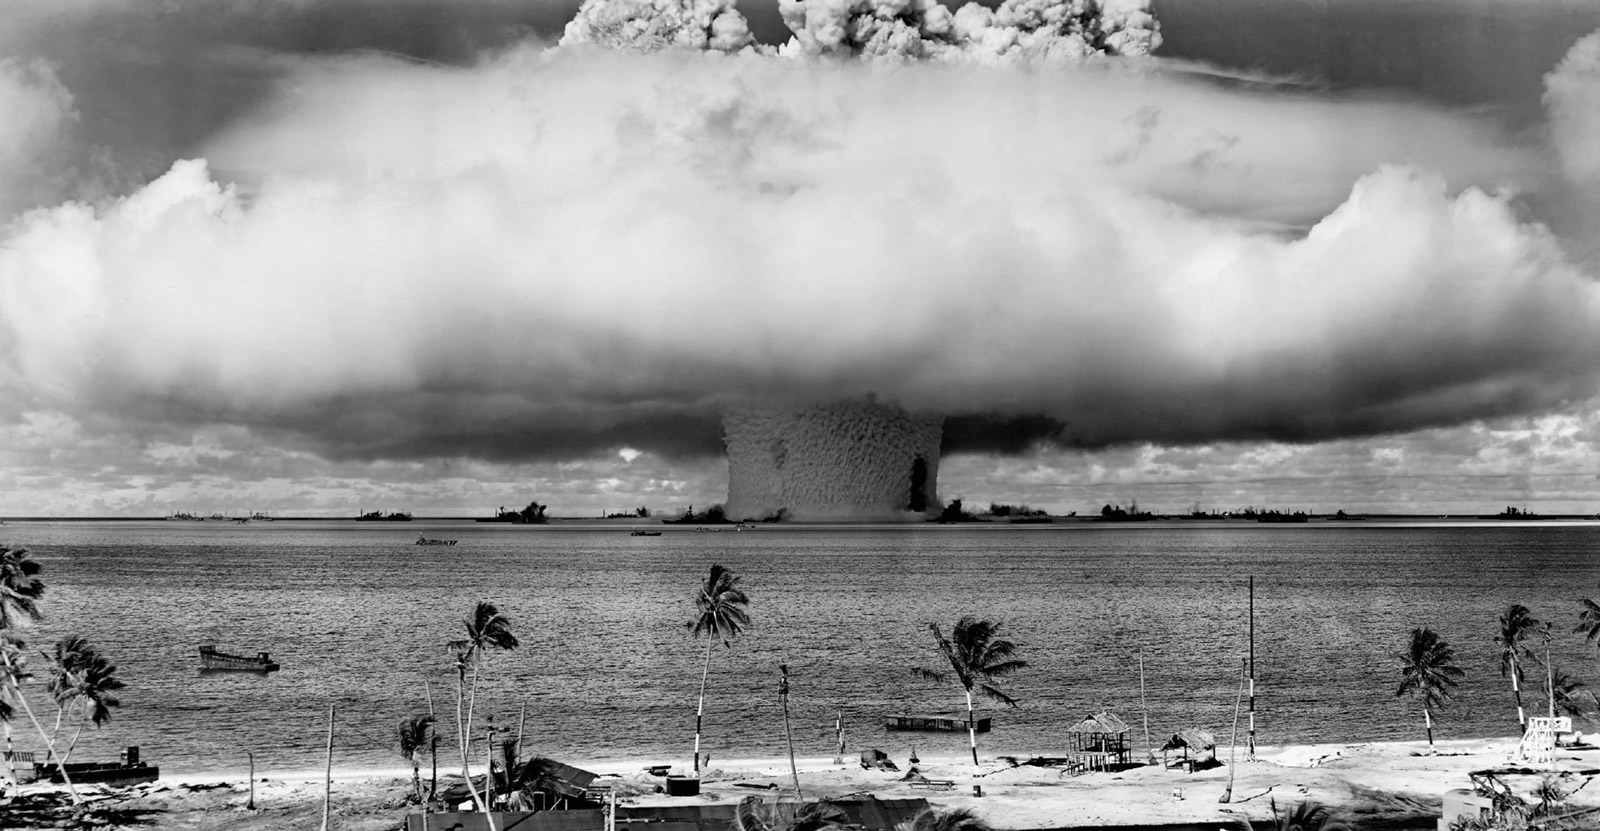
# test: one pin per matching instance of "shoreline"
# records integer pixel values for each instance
(1378, 784)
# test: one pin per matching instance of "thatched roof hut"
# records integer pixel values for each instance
(1105, 724)
(1099, 742)
(1192, 741)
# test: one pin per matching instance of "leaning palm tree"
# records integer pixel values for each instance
(486, 629)
(975, 656)
(416, 735)
(934, 819)
(719, 614)
(1427, 668)
(81, 682)
(1516, 624)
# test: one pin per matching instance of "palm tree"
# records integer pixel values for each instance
(20, 589)
(1427, 668)
(81, 681)
(1568, 697)
(1516, 624)
(1589, 621)
(719, 615)
(754, 814)
(12, 670)
(1305, 816)
(933, 819)
(486, 629)
(975, 655)
(416, 734)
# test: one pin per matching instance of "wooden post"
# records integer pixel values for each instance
(433, 754)
(783, 695)
(838, 738)
(488, 769)
(251, 805)
(1252, 735)
(1233, 743)
(522, 721)
(1149, 751)
(327, 778)
(1549, 673)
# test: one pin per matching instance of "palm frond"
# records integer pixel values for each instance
(1427, 667)
(1516, 624)
(20, 588)
(934, 819)
(1003, 669)
(416, 732)
(720, 606)
(487, 628)
(1589, 620)
(996, 694)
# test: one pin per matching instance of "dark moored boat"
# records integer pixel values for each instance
(644, 534)
(210, 658)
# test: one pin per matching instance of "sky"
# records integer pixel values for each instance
(315, 257)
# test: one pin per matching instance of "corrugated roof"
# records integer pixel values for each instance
(1104, 722)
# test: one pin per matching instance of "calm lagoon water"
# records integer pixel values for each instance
(358, 616)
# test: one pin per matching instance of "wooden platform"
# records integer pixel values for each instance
(935, 724)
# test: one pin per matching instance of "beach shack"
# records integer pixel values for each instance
(1099, 742)
(1191, 742)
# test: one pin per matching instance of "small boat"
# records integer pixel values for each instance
(210, 658)
(644, 533)
(431, 541)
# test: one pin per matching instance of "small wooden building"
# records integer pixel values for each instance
(1099, 742)
(1191, 741)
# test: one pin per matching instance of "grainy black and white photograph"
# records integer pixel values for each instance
(791, 415)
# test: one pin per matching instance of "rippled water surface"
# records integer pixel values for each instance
(358, 617)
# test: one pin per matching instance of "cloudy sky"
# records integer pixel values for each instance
(316, 256)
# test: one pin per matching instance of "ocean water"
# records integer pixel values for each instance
(359, 617)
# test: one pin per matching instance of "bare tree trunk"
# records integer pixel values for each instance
(327, 778)
(251, 804)
(1427, 719)
(73, 743)
(522, 721)
(433, 751)
(700, 711)
(11, 756)
(1233, 743)
(788, 736)
(50, 746)
(462, 731)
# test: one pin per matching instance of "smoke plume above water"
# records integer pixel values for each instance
(554, 251)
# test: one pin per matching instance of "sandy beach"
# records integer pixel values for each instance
(1396, 782)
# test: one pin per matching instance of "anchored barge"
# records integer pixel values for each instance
(937, 724)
